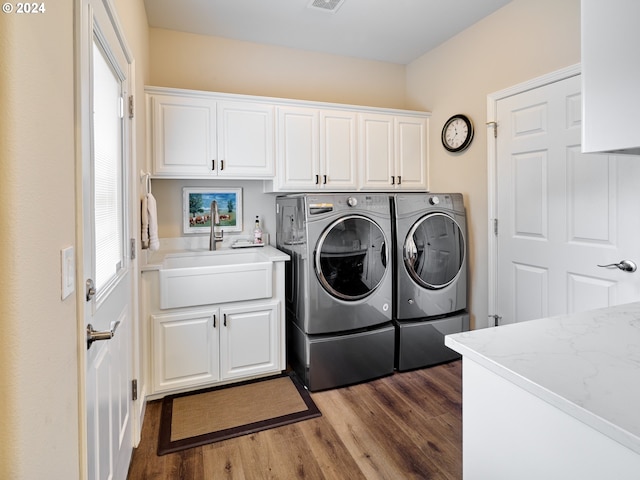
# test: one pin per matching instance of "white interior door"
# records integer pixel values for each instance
(106, 265)
(560, 213)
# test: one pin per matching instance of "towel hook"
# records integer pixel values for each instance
(147, 181)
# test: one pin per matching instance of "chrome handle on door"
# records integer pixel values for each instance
(95, 335)
(624, 265)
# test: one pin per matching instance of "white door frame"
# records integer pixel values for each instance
(492, 161)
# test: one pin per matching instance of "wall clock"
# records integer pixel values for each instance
(457, 133)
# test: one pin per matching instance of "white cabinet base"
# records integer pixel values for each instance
(509, 433)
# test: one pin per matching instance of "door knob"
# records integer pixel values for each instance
(624, 265)
(95, 335)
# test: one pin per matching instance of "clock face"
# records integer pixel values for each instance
(457, 133)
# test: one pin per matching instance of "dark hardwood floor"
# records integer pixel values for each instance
(404, 426)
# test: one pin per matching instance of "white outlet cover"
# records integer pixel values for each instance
(67, 271)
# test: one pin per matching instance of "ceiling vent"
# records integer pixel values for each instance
(328, 6)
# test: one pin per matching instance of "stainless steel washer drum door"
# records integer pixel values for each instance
(351, 257)
(434, 251)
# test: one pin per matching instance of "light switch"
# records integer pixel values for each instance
(67, 271)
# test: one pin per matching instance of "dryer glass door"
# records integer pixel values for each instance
(351, 257)
(434, 251)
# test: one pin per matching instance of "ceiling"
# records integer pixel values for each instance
(396, 31)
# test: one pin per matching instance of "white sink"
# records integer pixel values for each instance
(211, 259)
(205, 278)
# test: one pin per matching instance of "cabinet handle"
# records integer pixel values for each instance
(393, 180)
(214, 320)
(324, 179)
(317, 179)
(224, 316)
(221, 164)
(213, 165)
(399, 179)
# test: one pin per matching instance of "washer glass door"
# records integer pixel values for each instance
(351, 257)
(434, 251)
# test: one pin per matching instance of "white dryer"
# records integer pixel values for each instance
(430, 287)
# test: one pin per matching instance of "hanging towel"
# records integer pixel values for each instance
(154, 241)
(144, 217)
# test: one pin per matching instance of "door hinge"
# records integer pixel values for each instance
(134, 390)
(132, 245)
(495, 227)
(130, 106)
(496, 319)
(494, 125)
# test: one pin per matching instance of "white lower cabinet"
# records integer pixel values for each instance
(192, 348)
(249, 341)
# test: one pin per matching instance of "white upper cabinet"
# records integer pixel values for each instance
(393, 152)
(316, 149)
(204, 136)
(296, 146)
(610, 76)
(245, 139)
(182, 135)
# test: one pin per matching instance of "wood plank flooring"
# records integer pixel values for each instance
(404, 426)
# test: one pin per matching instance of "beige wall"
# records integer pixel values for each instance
(523, 40)
(41, 342)
(39, 355)
(217, 64)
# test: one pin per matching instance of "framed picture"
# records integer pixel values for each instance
(196, 209)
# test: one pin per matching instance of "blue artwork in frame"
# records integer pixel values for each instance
(196, 209)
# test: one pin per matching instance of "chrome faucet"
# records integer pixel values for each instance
(215, 220)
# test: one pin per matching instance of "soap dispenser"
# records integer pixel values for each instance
(257, 232)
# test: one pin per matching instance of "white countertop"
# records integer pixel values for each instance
(586, 364)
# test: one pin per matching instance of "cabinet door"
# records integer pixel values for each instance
(410, 153)
(376, 151)
(185, 349)
(183, 135)
(610, 75)
(338, 147)
(249, 342)
(298, 152)
(245, 139)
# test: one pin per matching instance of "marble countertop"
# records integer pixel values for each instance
(586, 364)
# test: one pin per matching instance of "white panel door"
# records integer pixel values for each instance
(107, 269)
(560, 213)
